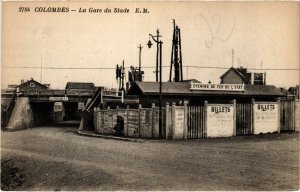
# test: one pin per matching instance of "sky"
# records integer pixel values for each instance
(264, 36)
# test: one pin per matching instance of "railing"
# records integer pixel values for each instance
(112, 95)
(57, 92)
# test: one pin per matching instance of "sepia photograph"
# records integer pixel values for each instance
(150, 96)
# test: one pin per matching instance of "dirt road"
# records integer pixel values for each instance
(59, 159)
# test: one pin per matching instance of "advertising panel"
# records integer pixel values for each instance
(220, 120)
(265, 118)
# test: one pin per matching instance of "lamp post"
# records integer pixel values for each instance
(158, 62)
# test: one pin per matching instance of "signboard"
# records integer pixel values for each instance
(133, 123)
(58, 106)
(80, 105)
(179, 123)
(265, 118)
(58, 98)
(220, 120)
(217, 87)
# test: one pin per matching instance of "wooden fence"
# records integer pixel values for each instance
(287, 115)
(244, 118)
(196, 122)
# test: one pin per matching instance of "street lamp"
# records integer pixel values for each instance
(158, 62)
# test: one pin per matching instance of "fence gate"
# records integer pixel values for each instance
(196, 122)
(244, 119)
(287, 114)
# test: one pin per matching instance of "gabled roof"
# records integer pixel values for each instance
(235, 70)
(80, 85)
(34, 81)
(183, 88)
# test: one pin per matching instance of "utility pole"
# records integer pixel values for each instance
(123, 74)
(41, 77)
(158, 63)
(140, 55)
(120, 74)
(157, 50)
(176, 55)
(232, 57)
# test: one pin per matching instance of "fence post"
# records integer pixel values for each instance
(205, 118)
(278, 116)
(109, 119)
(185, 119)
(173, 120)
(253, 115)
(139, 111)
(152, 127)
(167, 120)
(96, 121)
(126, 112)
(294, 114)
(234, 117)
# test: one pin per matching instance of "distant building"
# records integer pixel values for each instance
(295, 91)
(80, 85)
(242, 76)
(30, 85)
(283, 90)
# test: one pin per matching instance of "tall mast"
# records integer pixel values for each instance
(176, 55)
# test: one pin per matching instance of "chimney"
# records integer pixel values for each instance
(22, 81)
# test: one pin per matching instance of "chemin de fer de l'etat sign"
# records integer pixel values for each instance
(217, 87)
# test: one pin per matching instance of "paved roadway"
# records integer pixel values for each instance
(54, 158)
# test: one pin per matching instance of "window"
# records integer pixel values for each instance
(258, 79)
(32, 84)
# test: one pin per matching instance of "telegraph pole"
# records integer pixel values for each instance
(140, 55)
(176, 56)
(158, 63)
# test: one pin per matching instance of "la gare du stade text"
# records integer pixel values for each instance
(81, 10)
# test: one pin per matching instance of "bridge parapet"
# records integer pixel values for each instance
(57, 92)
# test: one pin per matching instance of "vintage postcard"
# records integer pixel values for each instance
(140, 95)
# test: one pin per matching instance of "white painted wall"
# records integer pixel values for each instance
(220, 120)
(179, 123)
(266, 117)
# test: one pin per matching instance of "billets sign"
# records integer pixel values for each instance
(217, 87)
(58, 98)
(265, 118)
(220, 120)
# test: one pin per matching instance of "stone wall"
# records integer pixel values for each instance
(21, 117)
(142, 122)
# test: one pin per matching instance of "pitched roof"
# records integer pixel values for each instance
(235, 70)
(183, 88)
(80, 85)
(32, 80)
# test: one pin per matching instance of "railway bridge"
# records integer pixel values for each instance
(45, 106)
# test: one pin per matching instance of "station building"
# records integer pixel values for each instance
(235, 83)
